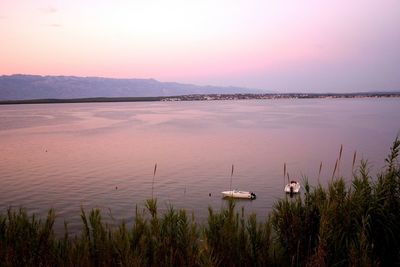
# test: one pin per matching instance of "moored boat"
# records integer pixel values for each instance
(293, 187)
(239, 194)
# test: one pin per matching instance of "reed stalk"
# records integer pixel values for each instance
(339, 159)
(354, 162)
(152, 183)
(284, 173)
(334, 170)
(230, 185)
(319, 172)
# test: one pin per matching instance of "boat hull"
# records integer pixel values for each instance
(292, 187)
(239, 194)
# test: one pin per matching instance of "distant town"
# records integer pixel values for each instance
(208, 97)
(205, 97)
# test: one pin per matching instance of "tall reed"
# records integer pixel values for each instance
(152, 182)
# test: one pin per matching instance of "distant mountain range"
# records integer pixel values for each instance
(23, 87)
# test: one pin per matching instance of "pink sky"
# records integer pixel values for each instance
(275, 45)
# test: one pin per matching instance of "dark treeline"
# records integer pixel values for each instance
(355, 225)
(80, 100)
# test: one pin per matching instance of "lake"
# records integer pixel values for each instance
(103, 154)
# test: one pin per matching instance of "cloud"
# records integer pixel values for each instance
(49, 10)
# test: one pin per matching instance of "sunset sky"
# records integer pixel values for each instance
(280, 45)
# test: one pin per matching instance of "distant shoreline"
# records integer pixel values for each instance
(203, 97)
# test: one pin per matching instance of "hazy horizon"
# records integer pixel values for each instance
(305, 46)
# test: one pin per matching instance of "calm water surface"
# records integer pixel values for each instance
(102, 155)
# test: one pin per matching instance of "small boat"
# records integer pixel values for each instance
(293, 187)
(239, 194)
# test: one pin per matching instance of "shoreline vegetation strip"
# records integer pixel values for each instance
(356, 225)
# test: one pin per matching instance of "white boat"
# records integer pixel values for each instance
(293, 187)
(239, 194)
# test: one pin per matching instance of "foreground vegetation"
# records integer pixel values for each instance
(355, 225)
